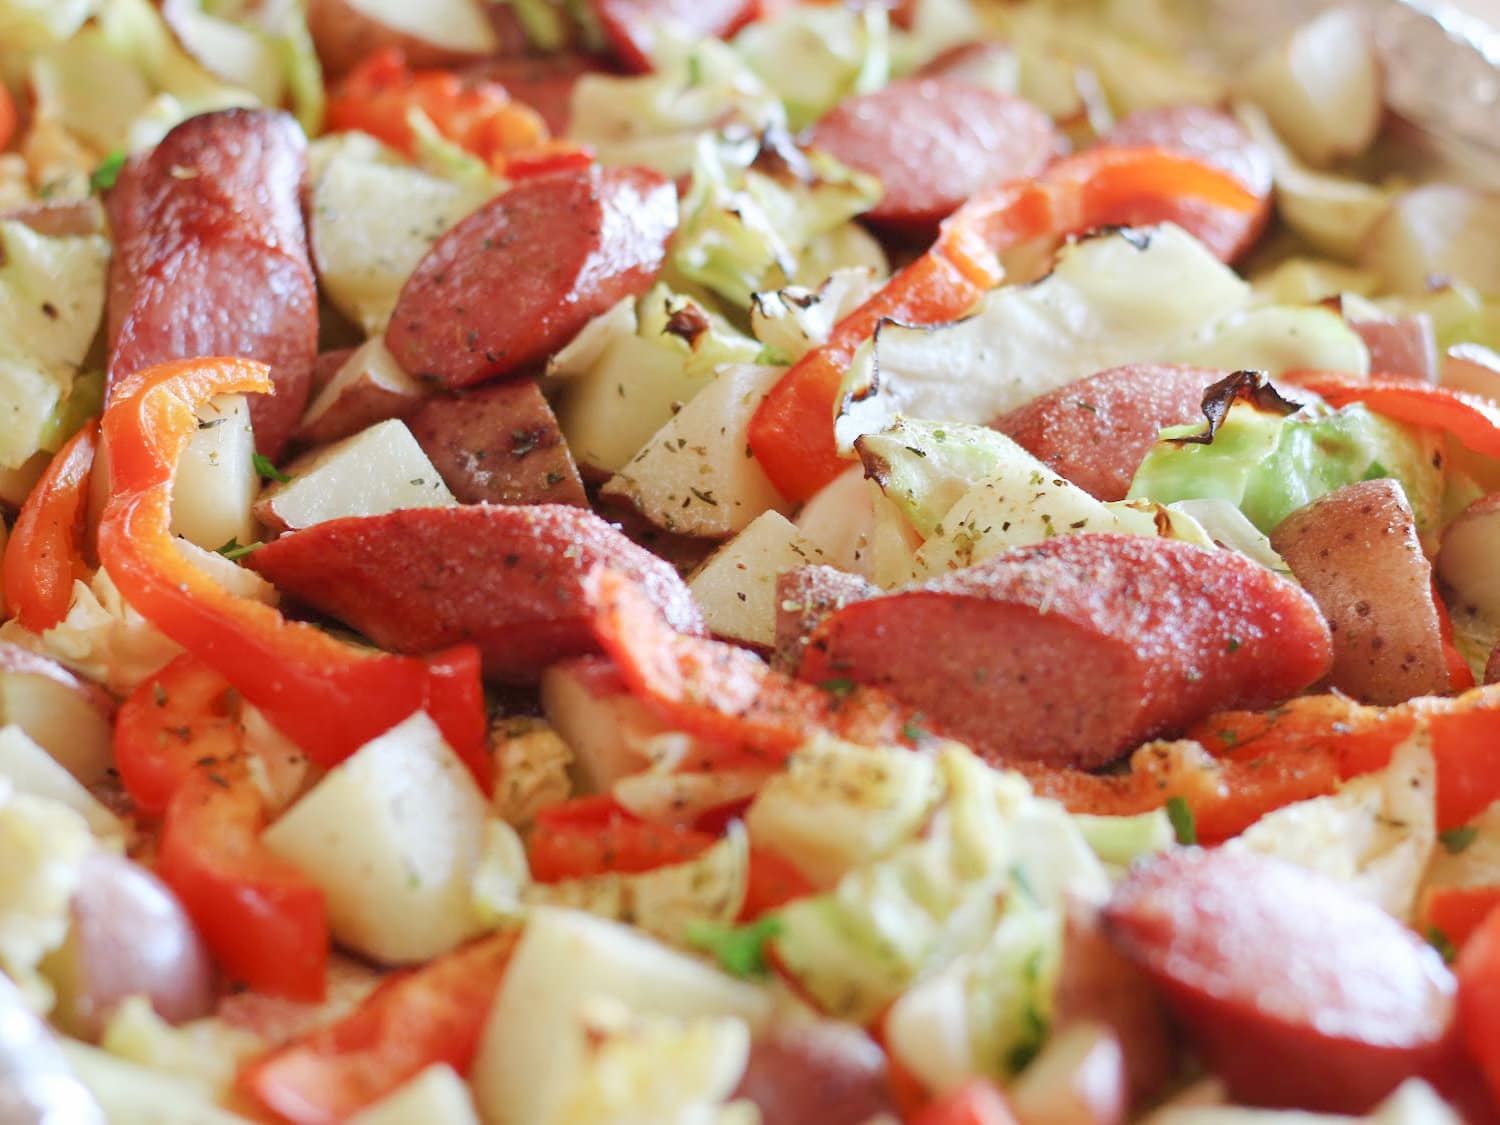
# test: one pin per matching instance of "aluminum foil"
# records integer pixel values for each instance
(1442, 71)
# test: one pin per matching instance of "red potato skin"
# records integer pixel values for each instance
(1401, 347)
(211, 258)
(1215, 138)
(630, 25)
(1098, 430)
(508, 579)
(1492, 666)
(1075, 650)
(803, 598)
(829, 1073)
(933, 142)
(1295, 991)
(498, 444)
(1356, 551)
(519, 277)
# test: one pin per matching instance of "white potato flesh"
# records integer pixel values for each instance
(736, 586)
(436, 1095)
(136, 1095)
(32, 770)
(1321, 87)
(535, 1045)
(66, 719)
(30, 394)
(393, 836)
(371, 220)
(216, 478)
(839, 520)
(696, 476)
(607, 728)
(1437, 231)
(454, 25)
(51, 293)
(234, 578)
(368, 388)
(1078, 1079)
(1472, 368)
(378, 470)
(230, 50)
(1467, 555)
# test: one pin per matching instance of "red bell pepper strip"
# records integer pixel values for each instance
(725, 695)
(434, 1014)
(328, 697)
(791, 433)
(479, 116)
(46, 551)
(1479, 999)
(264, 922)
(173, 721)
(1473, 420)
(1456, 912)
(9, 119)
(976, 1102)
(1460, 675)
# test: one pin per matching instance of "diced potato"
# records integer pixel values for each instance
(837, 805)
(436, 1095)
(696, 476)
(535, 1046)
(240, 581)
(393, 836)
(1466, 559)
(378, 470)
(1321, 87)
(233, 51)
(51, 293)
(840, 521)
(68, 718)
(736, 586)
(607, 728)
(92, 91)
(135, 1095)
(32, 770)
(1440, 231)
(438, 33)
(30, 394)
(369, 387)
(216, 478)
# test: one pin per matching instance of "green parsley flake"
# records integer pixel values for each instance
(837, 688)
(740, 950)
(1182, 821)
(234, 549)
(267, 470)
(104, 176)
(1457, 839)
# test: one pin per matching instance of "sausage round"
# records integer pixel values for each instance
(1296, 991)
(1097, 431)
(1074, 650)
(826, 1072)
(508, 579)
(933, 142)
(519, 277)
(1215, 138)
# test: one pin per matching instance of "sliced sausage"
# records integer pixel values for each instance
(519, 277)
(1215, 138)
(1096, 432)
(830, 1073)
(1075, 650)
(211, 257)
(508, 579)
(933, 142)
(803, 598)
(498, 445)
(544, 82)
(1356, 552)
(631, 25)
(1296, 991)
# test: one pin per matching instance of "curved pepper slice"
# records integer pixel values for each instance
(172, 722)
(327, 696)
(433, 1014)
(1471, 419)
(45, 553)
(791, 433)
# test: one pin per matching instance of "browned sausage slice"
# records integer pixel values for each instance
(1073, 651)
(934, 142)
(1295, 991)
(1356, 552)
(211, 257)
(518, 278)
(1216, 138)
(508, 579)
(1097, 431)
(829, 1073)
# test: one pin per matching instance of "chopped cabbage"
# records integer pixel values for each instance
(1269, 466)
(1375, 834)
(656, 119)
(791, 322)
(665, 901)
(532, 762)
(938, 896)
(1121, 840)
(206, 1053)
(28, 25)
(102, 638)
(754, 207)
(813, 57)
(43, 844)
